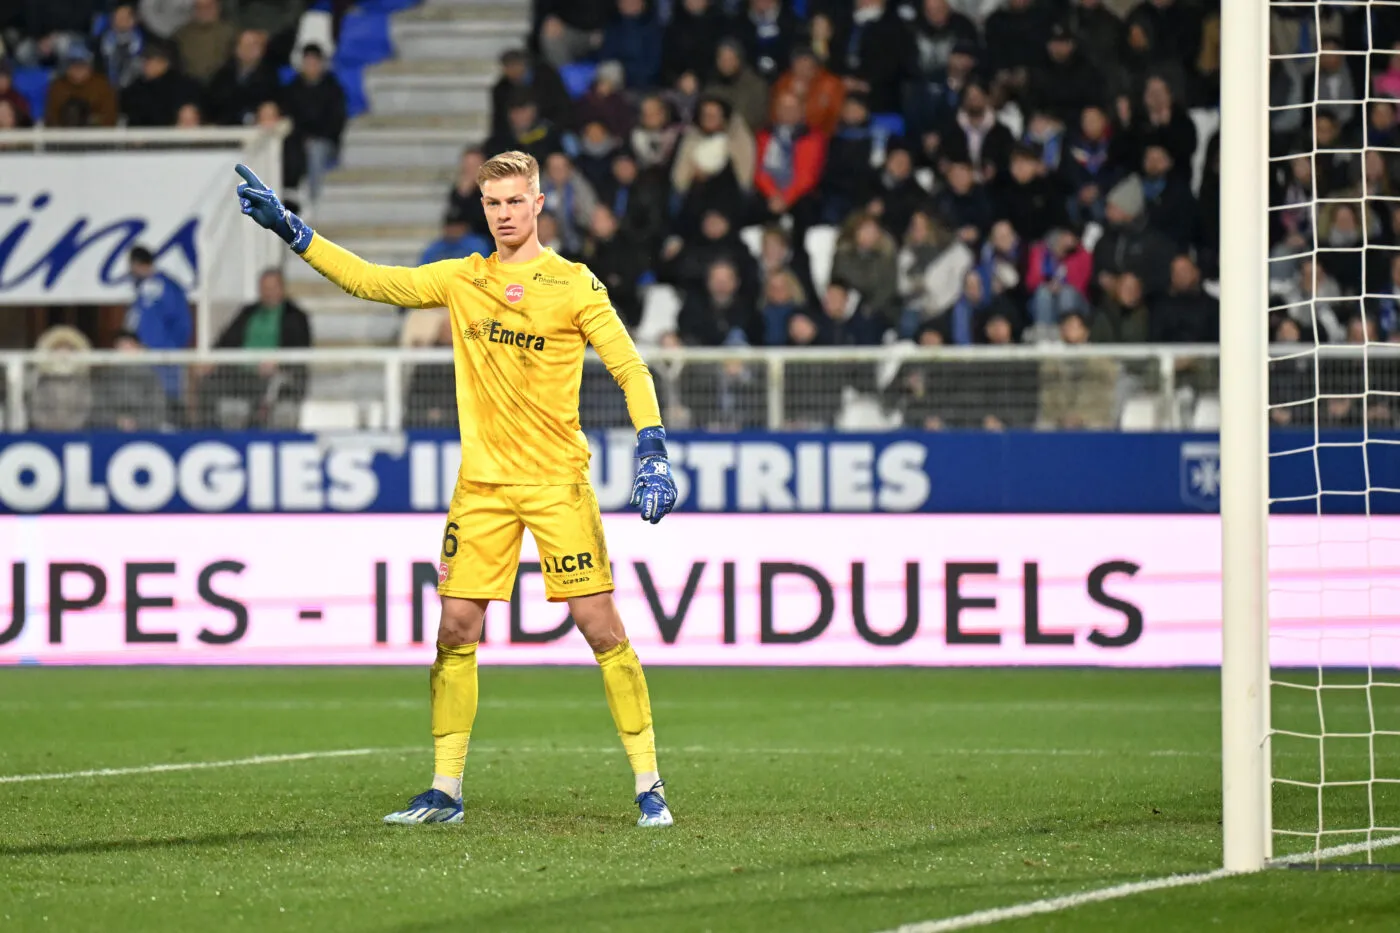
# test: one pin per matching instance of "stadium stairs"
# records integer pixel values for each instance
(386, 199)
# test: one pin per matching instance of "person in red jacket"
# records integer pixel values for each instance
(790, 161)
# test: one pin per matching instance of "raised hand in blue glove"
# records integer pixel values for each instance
(260, 203)
(654, 490)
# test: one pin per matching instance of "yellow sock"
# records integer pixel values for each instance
(453, 685)
(626, 687)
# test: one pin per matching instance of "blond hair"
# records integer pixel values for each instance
(512, 164)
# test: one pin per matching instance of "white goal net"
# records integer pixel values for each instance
(1329, 757)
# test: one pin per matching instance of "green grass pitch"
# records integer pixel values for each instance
(806, 800)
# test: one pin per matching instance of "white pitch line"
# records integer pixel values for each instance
(1052, 905)
(201, 765)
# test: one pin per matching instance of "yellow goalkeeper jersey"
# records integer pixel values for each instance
(518, 335)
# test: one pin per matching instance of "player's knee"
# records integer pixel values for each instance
(461, 621)
(598, 621)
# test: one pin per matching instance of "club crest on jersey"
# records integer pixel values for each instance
(442, 573)
(515, 292)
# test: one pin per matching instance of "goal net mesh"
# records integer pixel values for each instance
(1334, 402)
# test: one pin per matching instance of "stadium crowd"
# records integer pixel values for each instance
(852, 172)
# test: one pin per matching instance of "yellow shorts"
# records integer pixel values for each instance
(485, 527)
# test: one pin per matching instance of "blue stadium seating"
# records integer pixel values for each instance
(286, 74)
(352, 78)
(33, 84)
(387, 6)
(364, 38)
(578, 77)
(891, 123)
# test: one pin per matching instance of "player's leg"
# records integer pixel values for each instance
(480, 554)
(568, 529)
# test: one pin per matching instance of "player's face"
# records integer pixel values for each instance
(511, 209)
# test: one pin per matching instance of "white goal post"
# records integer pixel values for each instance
(1244, 494)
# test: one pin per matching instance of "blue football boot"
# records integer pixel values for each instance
(432, 806)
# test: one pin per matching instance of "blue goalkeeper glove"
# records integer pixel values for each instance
(260, 203)
(654, 490)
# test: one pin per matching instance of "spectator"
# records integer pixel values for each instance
(596, 148)
(1162, 122)
(1058, 275)
(1002, 263)
(1030, 198)
(163, 18)
(570, 198)
(81, 96)
(686, 264)
(606, 102)
(917, 390)
(1045, 133)
(1292, 381)
(767, 30)
(976, 136)
(205, 42)
(963, 317)
(1129, 244)
(1291, 220)
(1065, 82)
(782, 298)
(718, 314)
(131, 397)
(691, 38)
(1171, 208)
(897, 192)
(637, 200)
(1185, 314)
(272, 322)
(60, 395)
(821, 92)
(851, 156)
(8, 119)
(656, 135)
(776, 255)
(457, 241)
(933, 276)
(1076, 392)
(938, 30)
(464, 200)
(1122, 316)
(790, 159)
(1015, 36)
(160, 316)
(1381, 129)
(549, 232)
(269, 117)
(1384, 305)
(1175, 26)
(527, 131)
(315, 102)
(1336, 165)
(933, 102)
(847, 321)
(617, 260)
(242, 84)
(431, 400)
(1001, 396)
(727, 396)
(1313, 296)
(874, 55)
(1333, 82)
(964, 204)
(866, 262)
(1098, 32)
(1386, 82)
(188, 117)
(121, 46)
(8, 95)
(521, 72)
(634, 39)
(155, 98)
(1087, 170)
(571, 29)
(714, 168)
(735, 83)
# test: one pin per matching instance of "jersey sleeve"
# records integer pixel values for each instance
(599, 322)
(421, 287)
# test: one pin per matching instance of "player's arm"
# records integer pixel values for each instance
(404, 287)
(654, 490)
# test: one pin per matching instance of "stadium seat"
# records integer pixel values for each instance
(352, 78)
(364, 39)
(1140, 413)
(578, 77)
(660, 308)
(1206, 417)
(861, 412)
(33, 84)
(315, 26)
(821, 253)
(753, 239)
(890, 123)
(286, 74)
(327, 415)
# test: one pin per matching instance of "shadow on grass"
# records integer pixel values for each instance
(199, 841)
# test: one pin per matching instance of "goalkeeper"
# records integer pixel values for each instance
(520, 320)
